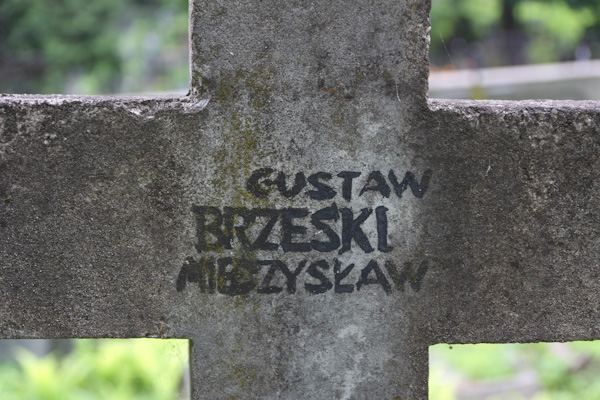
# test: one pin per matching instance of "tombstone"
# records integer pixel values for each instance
(305, 216)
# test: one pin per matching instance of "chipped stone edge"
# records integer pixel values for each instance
(512, 106)
(135, 104)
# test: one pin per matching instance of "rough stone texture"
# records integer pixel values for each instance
(515, 221)
(101, 208)
(91, 214)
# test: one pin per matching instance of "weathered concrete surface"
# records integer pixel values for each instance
(168, 217)
(91, 198)
(327, 86)
(296, 50)
(516, 221)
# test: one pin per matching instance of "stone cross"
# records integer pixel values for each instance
(305, 215)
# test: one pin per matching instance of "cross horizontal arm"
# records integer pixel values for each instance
(90, 197)
(515, 221)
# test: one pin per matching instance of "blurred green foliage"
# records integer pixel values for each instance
(116, 369)
(131, 46)
(92, 46)
(558, 371)
(487, 33)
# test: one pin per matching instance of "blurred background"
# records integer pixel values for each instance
(535, 371)
(93, 46)
(94, 369)
(480, 49)
(515, 49)
(497, 49)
